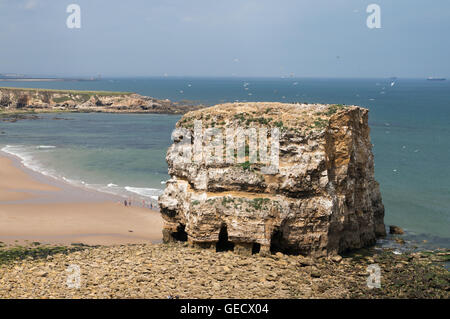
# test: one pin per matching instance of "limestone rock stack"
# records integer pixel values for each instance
(319, 199)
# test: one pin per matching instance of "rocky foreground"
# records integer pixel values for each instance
(14, 100)
(177, 271)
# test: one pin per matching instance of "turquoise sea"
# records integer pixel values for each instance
(125, 153)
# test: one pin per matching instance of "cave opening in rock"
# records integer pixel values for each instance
(180, 234)
(276, 242)
(223, 244)
(256, 248)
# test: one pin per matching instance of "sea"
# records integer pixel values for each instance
(124, 154)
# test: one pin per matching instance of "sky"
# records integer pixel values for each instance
(258, 38)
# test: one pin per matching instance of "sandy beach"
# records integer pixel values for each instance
(36, 208)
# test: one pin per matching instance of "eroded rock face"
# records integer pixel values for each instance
(322, 199)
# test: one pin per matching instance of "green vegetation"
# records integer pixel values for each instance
(248, 119)
(258, 203)
(320, 123)
(62, 99)
(409, 276)
(236, 202)
(260, 120)
(279, 124)
(195, 202)
(246, 165)
(240, 117)
(8, 254)
(334, 108)
(226, 201)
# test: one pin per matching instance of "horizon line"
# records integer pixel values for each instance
(286, 77)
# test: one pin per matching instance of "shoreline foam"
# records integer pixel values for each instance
(125, 192)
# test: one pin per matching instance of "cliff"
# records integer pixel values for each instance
(315, 195)
(43, 100)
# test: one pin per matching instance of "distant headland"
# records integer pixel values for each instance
(20, 100)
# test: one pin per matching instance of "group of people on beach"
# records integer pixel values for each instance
(128, 202)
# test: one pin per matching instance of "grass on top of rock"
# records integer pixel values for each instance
(332, 109)
(320, 123)
(279, 124)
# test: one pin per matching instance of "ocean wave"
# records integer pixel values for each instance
(25, 155)
(153, 193)
(128, 191)
(45, 147)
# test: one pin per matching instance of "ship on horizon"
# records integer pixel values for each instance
(430, 78)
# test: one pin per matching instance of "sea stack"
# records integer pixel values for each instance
(313, 193)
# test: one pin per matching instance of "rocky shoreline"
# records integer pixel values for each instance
(178, 271)
(21, 100)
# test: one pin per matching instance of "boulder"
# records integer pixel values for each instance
(395, 230)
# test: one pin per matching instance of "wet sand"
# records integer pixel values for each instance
(37, 208)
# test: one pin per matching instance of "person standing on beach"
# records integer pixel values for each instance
(125, 203)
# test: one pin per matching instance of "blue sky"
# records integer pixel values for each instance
(306, 38)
